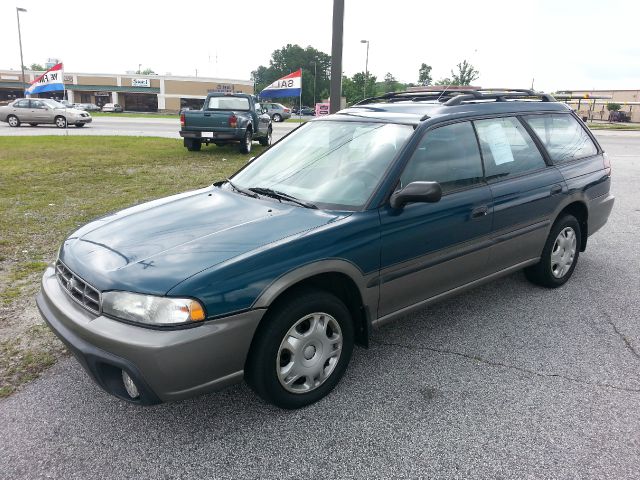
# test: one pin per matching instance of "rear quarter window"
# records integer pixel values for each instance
(562, 136)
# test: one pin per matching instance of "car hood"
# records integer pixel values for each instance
(154, 246)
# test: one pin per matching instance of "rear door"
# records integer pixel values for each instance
(430, 248)
(525, 189)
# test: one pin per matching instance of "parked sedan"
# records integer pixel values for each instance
(112, 107)
(42, 110)
(277, 112)
(87, 107)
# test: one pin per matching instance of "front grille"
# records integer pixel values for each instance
(78, 289)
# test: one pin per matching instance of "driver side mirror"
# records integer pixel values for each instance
(425, 192)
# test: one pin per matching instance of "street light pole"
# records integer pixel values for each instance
(336, 55)
(366, 68)
(18, 10)
(315, 74)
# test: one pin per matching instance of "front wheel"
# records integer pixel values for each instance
(266, 141)
(301, 350)
(559, 256)
(79, 125)
(61, 122)
(245, 144)
(13, 121)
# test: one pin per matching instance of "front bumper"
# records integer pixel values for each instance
(166, 365)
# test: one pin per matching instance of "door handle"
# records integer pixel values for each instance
(480, 212)
(556, 189)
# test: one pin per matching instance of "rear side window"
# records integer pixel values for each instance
(448, 155)
(507, 148)
(563, 137)
(22, 104)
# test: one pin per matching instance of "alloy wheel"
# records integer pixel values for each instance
(563, 252)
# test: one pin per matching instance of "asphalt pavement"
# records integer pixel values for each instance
(139, 127)
(509, 380)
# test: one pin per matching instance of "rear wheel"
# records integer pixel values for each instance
(245, 144)
(13, 121)
(33, 124)
(559, 256)
(192, 145)
(266, 141)
(60, 122)
(79, 124)
(277, 117)
(301, 350)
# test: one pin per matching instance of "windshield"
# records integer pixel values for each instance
(52, 103)
(228, 103)
(338, 164)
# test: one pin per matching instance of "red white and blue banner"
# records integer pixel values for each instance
(287, 86)
(49, 81)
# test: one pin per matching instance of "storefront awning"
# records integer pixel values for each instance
(112, 88)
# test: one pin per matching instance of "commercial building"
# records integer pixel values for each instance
(592, 104)
(145, 93)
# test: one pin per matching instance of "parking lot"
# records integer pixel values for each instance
(508, 380)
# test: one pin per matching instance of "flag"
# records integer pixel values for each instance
(287, 86)
(51, 80)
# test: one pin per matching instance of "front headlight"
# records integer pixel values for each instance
(152, 310)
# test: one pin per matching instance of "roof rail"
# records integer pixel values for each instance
(455, 96)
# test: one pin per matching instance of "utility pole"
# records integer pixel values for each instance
(336, 55)
(315, 74)
(18, 10)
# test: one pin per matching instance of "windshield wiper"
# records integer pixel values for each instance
(282, 196)
(241, 190)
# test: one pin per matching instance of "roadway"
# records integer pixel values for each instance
(506, 381)
(142, 127)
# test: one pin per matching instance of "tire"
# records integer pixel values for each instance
(245, 144)
(79, 125)
(192, 145)
(33, 124)
(277, 117)
(13, 121)
(291, 378)
(559, 256)
(266, 141)
(60, 121)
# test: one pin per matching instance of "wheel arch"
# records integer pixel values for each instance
(578, 208)
(338, 277)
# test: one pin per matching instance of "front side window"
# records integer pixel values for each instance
(228, 103)
(37, 104)
(328, 163)
(507, 148)
(448, 155)
(562, 136)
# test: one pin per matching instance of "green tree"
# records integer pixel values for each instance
(289, 59)
(148, 71)
(465, 75)
(36, 67)
(390, 83)
(613, 107)
(444, 81)
(424, 75)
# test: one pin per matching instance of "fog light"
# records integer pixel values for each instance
(129, 385)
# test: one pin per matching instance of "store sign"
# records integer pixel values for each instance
(222, 87)
(140, 82)
(322, 109)
(68, 78)
(9, 77)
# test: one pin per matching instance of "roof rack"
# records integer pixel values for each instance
(455, 96)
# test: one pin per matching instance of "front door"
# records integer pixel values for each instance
(430, 248)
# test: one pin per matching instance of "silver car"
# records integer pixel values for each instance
(42, 110)
(277, 112)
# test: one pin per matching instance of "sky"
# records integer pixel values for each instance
(556, 44)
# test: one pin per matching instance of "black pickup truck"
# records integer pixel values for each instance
(226, 118)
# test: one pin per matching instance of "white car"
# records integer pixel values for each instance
(112, 107)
